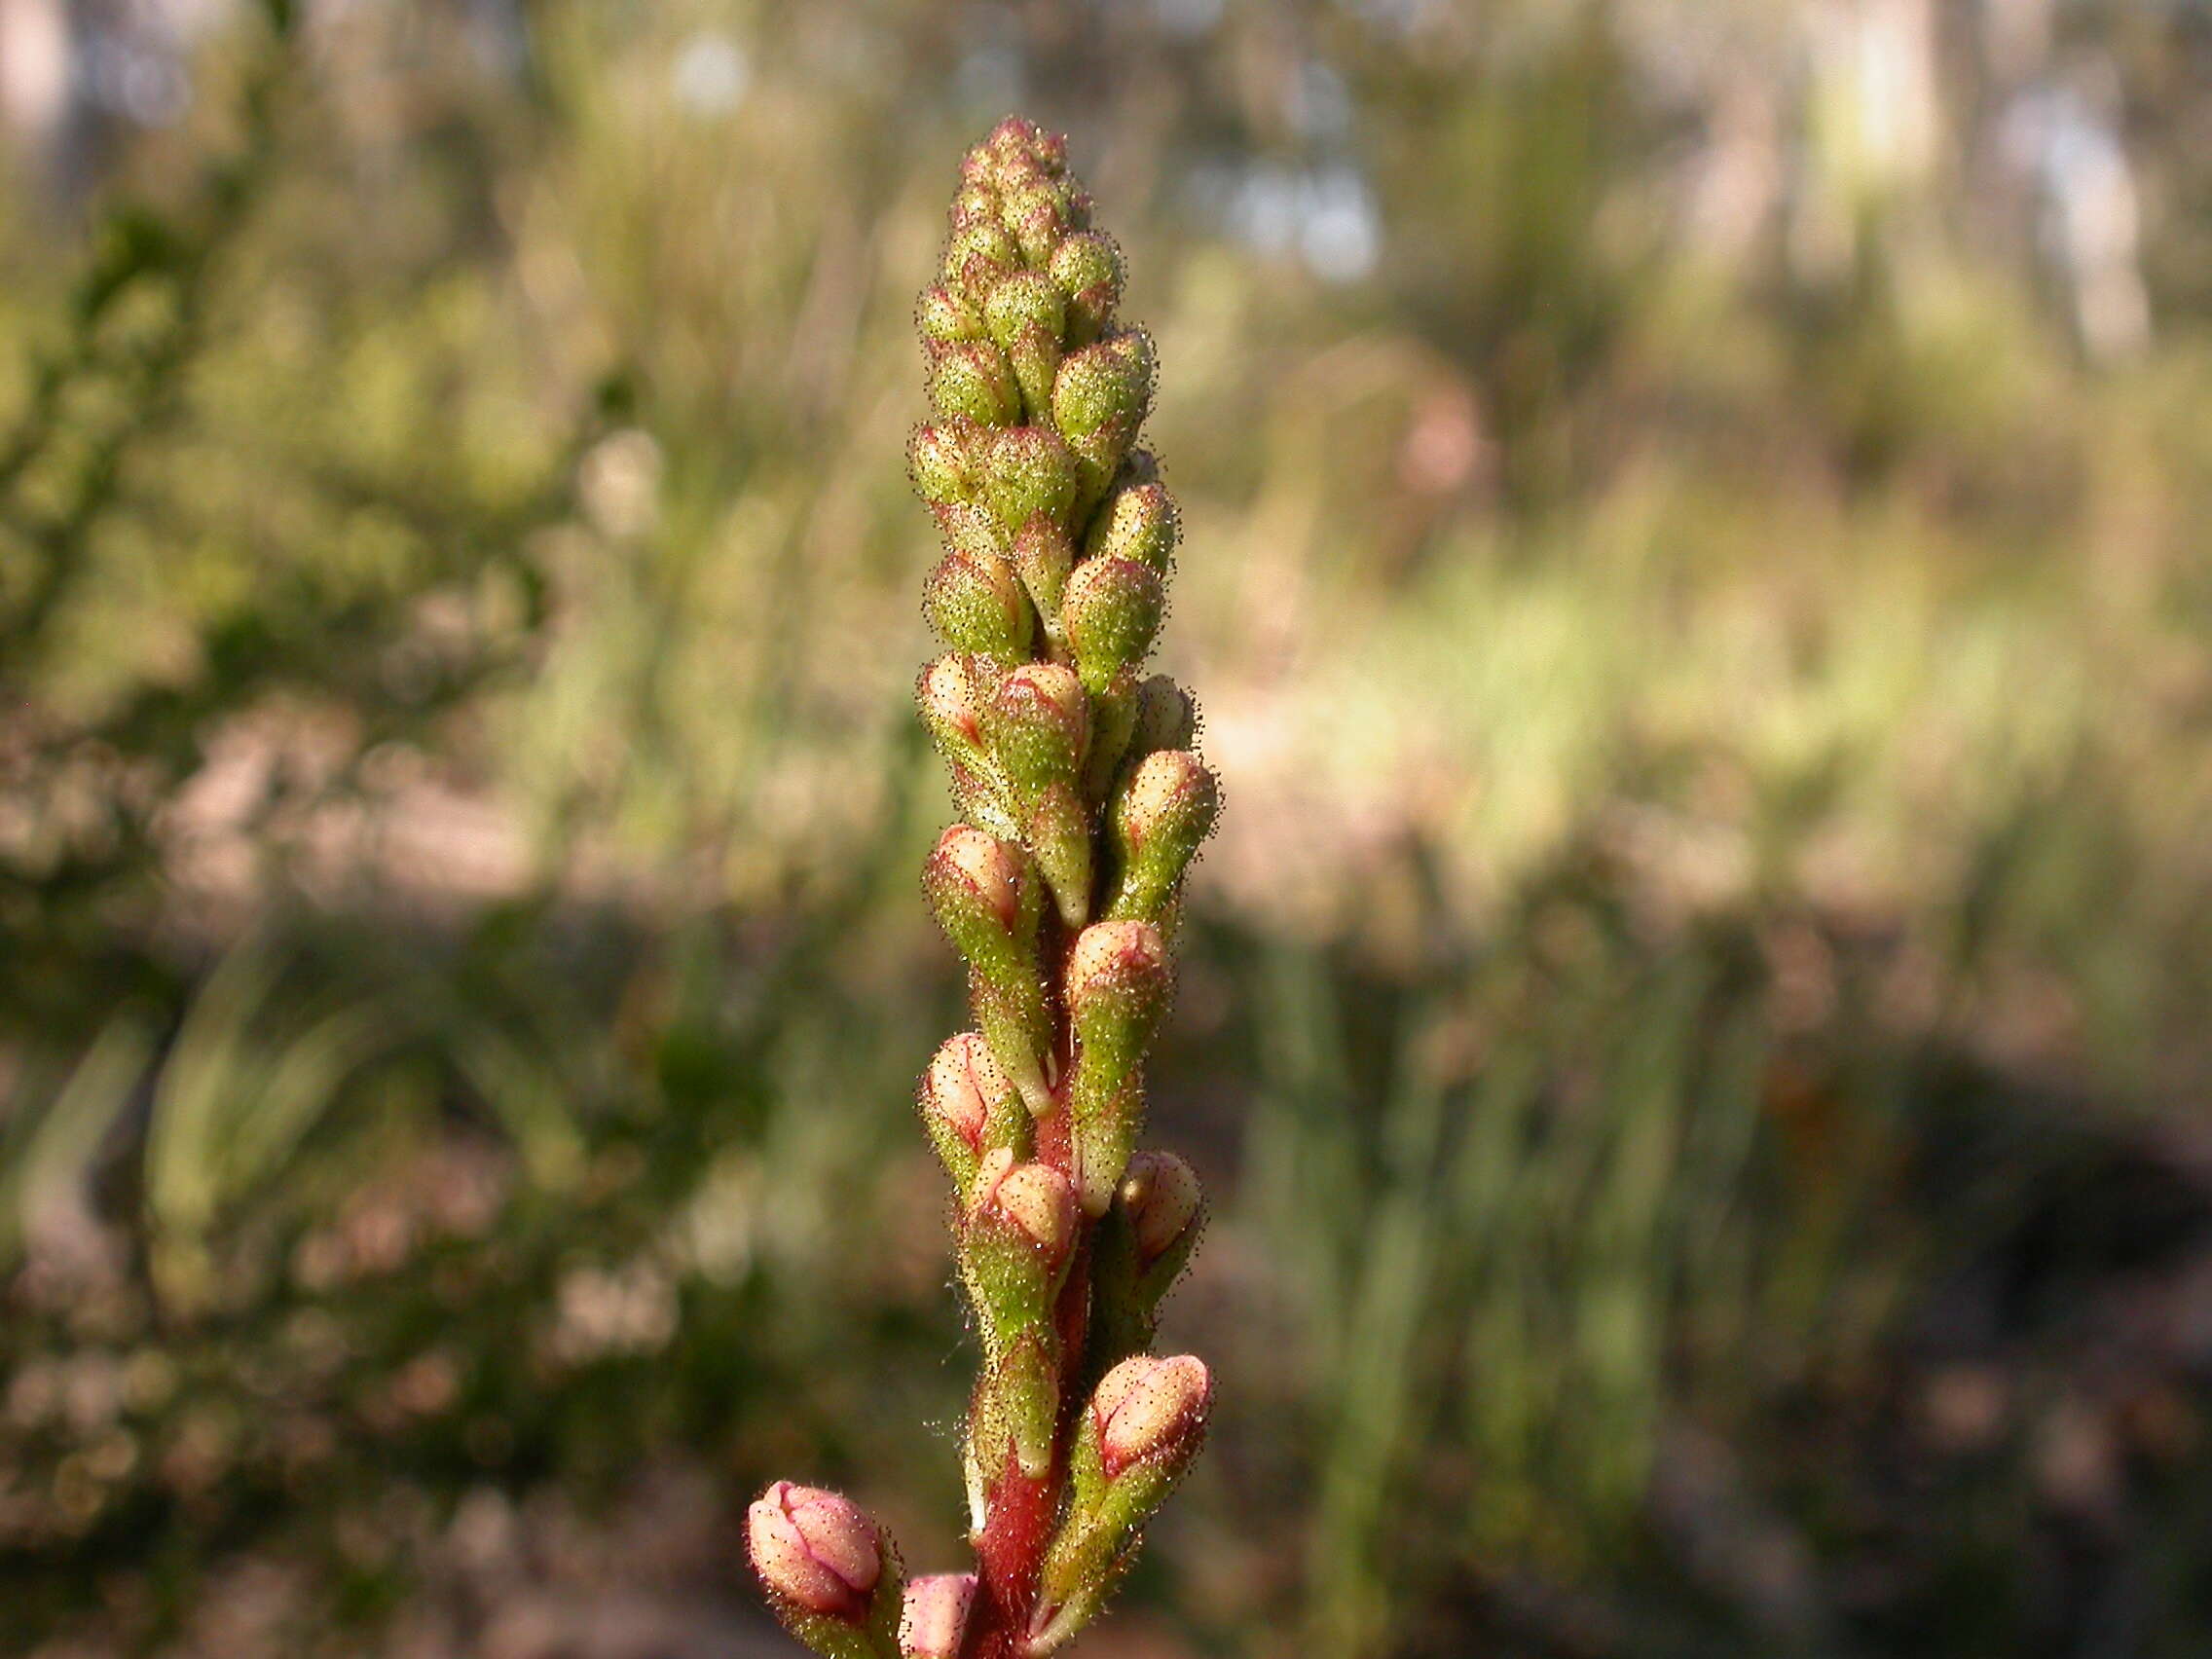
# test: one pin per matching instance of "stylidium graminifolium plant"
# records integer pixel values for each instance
(1082, 806)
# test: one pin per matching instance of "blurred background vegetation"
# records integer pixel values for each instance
(1696, 1020)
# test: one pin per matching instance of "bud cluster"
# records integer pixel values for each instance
(1081, 805)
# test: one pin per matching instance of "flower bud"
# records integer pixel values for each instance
(1105, 387)
(1165, 808)
(972, 379)
(978, 253)
(1030, 473)
(815, 1551)
(1137, 521)
(1117, 984)
(1166, 718)
(972, 202)
(974, 883)
(1110, 612)
(935, 1619)
(943, 316)
(946, 694)
(1152, 1410)
(963, 1086)
(976, 603)
(1162, 1197)
(1038, 723)
(1134, 1440)
(1088, 270)
(1025, 300)
(1035, 1200)
(941, 461)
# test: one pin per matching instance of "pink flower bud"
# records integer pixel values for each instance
(963, 1082)
(1114, 956)
(813, 1550)
(933, 1621)
(1148, 1408)
(988, 868)
(1161, 1195)
(1035, 1197)
(946, 693)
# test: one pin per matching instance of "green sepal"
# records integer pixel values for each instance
(1110, 612)
(1165, 718)
(1056, 830)
(1036, 724)
(1011, 1279)
(1043, 555)
(979, 253)
(1113, 723)
(1017, 1408)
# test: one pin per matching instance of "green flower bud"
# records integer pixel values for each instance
(1118, 985)
(1134, 1441)
(1025, 300)
(1026, 315)
(829, 1573)
(946, 693)
(1166, 718)
(1105, 387)
(1110, 612)
(1016, 1242)
(1038, 722)
(978, 253)
(1142, 1245)
(1088, 266)
(989, 902)
(972, 380)
(942, 462)
(943, 315)
(976, 603)
(1165, 809)
(1137, 521)
(1030, 473)
(974, 203)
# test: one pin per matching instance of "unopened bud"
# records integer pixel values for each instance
(1088, 267)
(978, 253)
(1027, 299)
(934, 1622)
(976, 603)
(950, 707)
(1038, 723)
(1117, 982)
(975, 884)
(964, 1085)
(1056, 830)
(1035, 1199)
(1166, 718)
(816, 1551)
(1150, 1410)
(943, 316)
(1162, 1197)
(941, 461)
(1110, 612)
(1137, 521)
(1165, 808)
(1030, 473)
(1105, 387)
(972, 380)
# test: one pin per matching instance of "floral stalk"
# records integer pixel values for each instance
(1082, 806)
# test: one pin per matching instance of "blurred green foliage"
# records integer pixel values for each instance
(1694, 1021)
